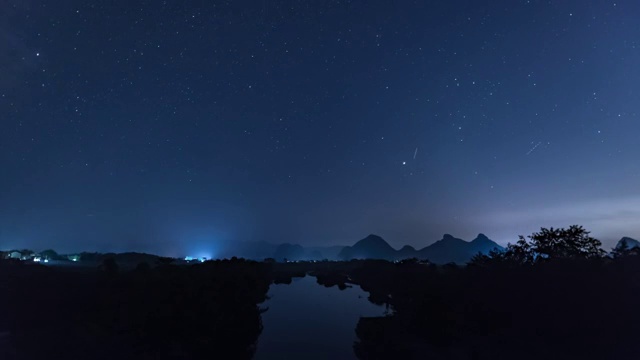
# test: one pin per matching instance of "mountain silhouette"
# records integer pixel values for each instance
(482, 244)
(406, 252)
(448, 249)
(260, 250)
(631, 243)
(255, 250)
(289, 252)
(371, 247)
(324, 252)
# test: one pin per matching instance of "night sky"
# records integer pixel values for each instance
(166, 127)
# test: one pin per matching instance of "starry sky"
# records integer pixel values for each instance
(165, 126)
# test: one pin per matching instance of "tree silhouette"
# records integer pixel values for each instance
(50, 254)
(110, 266)
(517, 254)
(27, 252)
(546, 245)
(521, 252)
(571, 243)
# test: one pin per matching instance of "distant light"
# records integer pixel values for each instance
(74, 259)
(46, 260)
(36, 259)
(203, 259)
(188, 258)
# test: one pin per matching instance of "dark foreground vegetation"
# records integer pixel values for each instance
(555, 295)
(202, 311)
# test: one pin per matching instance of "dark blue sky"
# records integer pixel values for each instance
(167, 125)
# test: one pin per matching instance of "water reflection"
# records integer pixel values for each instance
(309, 321)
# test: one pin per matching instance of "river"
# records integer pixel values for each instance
(309, 321)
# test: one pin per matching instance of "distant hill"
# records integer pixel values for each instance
(260, 250)
(631, 243)
(126, 259)
(483, 244)
(406, 252)
(448, 249)
(324, 252)
(451, 249)
(371, 247)
(289, 252)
